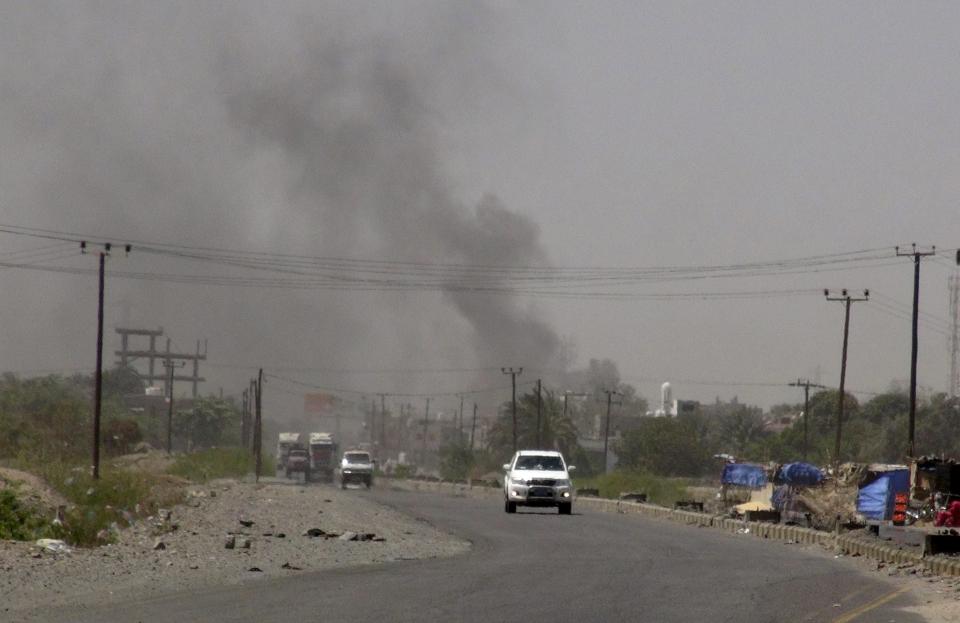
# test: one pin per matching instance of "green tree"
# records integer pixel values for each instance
(211, 422)
(556, 431)
(456, 461)
(665, 446)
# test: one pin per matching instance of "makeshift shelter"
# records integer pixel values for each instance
(744, 475)
(799, 475)
(876, 494)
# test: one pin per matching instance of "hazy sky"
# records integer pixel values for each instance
(600, 134)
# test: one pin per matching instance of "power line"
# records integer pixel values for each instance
(357, 392)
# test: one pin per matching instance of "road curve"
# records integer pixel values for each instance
(538, 566)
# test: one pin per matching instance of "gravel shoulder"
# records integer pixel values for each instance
(148, 560)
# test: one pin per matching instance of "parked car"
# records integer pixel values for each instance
(538, 478)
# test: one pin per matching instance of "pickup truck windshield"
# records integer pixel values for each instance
(357, 458)
(551, 463)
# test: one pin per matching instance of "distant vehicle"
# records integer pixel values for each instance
(356, 466)
(285, 441)
(323, 457)
(298, 462)
(538, 478)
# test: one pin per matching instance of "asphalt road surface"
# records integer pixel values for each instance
(539, 566)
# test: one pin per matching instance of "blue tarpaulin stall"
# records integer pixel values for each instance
(799, 475)
(744, 475)
(875, 498)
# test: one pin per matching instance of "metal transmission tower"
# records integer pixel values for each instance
(916, 255)
(955, 335)
(847, 300)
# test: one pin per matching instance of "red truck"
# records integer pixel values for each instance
(298, 462)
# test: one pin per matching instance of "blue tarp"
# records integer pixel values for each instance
(875, 499)
(744, 475)
(799, 475)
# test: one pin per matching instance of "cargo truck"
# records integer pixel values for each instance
(323, 457)
(285, 442)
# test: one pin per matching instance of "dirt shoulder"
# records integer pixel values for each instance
(143, 562)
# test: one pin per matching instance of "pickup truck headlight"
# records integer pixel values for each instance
(517, 481)
(563, 483)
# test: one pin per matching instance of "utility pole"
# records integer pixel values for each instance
(473, 426)
(606, 427)
(383, 424)
(98, 377)
(539, 409)
(252, 406)
(914, 334)
(426, 420)
(244, 422)
(847, 300)
(955, 332)
(258, 426)
(806, 385)
(170, 366)
(513, 372)
(460, 422)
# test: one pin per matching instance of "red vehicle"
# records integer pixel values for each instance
(323, 457)
(298, 461)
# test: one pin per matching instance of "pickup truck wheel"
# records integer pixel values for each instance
(509, 507)
(565, 509)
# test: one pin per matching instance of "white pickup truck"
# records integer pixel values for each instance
(356, 467)
(538, 478)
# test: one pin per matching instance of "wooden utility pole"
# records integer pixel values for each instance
(170, 366)
(473, 426)
(383, 423)
(914, 345)
(847, 300)
(98, 375)
(806, 385)
(98, 391)
(244, 422)
(539, 409)
(513, 372)
(606, 427)
(258, 426)
(426, 420)
(460, 422)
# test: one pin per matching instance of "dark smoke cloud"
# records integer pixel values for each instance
(266, 126)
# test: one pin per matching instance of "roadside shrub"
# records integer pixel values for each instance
(404, 471)
(218, 463)
(98, 507)
(659, 489)
(18, 522)
(119, 436)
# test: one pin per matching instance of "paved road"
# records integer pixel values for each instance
(536, 566)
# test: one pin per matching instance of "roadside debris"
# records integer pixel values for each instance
(54, 545)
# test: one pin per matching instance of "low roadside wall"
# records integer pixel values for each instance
(846, 544)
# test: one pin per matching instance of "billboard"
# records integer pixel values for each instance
(318, 404)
